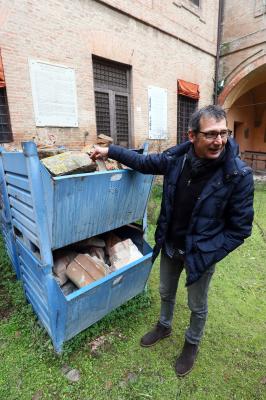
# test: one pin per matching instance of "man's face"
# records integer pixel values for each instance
(209, 148)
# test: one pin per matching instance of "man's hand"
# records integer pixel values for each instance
(99, 153)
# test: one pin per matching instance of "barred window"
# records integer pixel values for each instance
(112, 99)
(185, 107)
(5, 127)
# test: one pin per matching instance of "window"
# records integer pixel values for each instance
(5, 127)
(112, 99)
(185, 107)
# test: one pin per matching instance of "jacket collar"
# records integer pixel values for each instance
(179, 150)
(230, 166)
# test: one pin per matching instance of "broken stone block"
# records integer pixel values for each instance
(88, 148)
(108, 165)
(84, 270)
(101, 165)
(48, 151)
(97, 252)
(68, 288)
(103, 264)
(60, 266)
(104, 140)
(94, 266)
(111, 239)
(69, 162)
(112, 164)
(94, 241)
(123, 253)
(78, 275)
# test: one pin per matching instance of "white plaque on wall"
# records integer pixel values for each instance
(157, 112)
(54, 94)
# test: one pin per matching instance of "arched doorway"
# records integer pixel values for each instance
(244, 98)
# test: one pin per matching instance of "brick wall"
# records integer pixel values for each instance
(243, 38)
(68, 32)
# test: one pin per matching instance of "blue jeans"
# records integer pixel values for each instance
(170, 271)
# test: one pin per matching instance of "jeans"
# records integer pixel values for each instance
(170, 271)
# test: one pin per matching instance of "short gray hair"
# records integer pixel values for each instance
(211, 111)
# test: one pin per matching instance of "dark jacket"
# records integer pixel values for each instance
(222, 217)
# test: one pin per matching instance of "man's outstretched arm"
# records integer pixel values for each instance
(156, 164)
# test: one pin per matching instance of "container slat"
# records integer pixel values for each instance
(20, 194)
(34, 281)
(17, 180)
(22, 208)
(14, 162)
(25, 221)
(25, 232)
(34, 302)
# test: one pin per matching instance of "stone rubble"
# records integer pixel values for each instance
(60, 162)
(92, 259)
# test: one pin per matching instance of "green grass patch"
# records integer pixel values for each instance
(230, 365)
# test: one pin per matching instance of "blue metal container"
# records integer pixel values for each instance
(65, 316)
(51, 212)
(46, 213)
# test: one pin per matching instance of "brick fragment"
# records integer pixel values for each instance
(93, 241)
(84, 270)
(123, 253)
(60, 266)
(104, 140)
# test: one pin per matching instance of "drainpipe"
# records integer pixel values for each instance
(219, 37)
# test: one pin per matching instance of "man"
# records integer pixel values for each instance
(206, 212)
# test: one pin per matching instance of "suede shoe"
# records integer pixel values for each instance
(159, 332)
(186, 360)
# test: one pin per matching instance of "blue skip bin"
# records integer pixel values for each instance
(47, 213)
(65, 316)
(52, 212)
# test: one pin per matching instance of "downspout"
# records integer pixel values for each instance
(217, 60)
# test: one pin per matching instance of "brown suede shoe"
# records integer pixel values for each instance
(186, 360)
(159, 332)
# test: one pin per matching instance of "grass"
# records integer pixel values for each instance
(230, 365)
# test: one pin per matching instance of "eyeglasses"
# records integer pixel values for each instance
(212, 135)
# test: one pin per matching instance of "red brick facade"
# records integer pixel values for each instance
(162, 41)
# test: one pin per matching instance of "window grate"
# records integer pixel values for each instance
(111, 75)
(121, 110)
(102, 113)
(185, 107)
(112, 101)
(5, 128)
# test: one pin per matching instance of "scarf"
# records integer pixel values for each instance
(201, 166)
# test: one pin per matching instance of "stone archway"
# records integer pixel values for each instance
(244, 98)
(237, 84)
